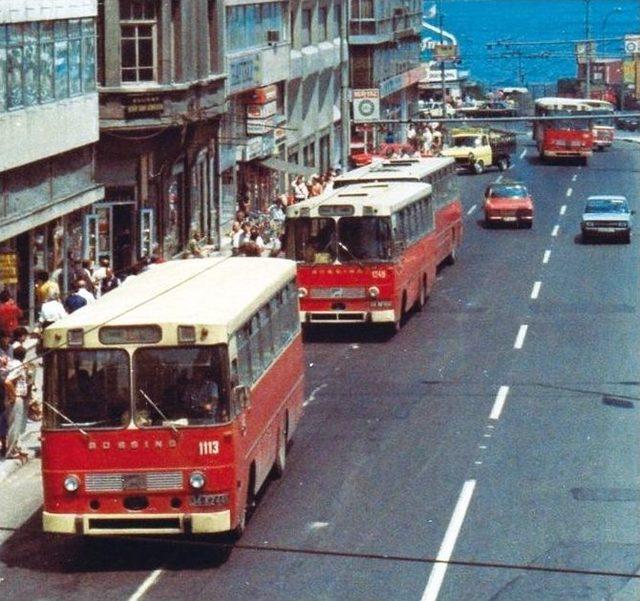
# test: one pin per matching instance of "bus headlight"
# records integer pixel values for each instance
(71, 483)
(374, 292)
(302, 292)
(197, 480)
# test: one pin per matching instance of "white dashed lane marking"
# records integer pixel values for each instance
(569, 192)
(546, 257)
(536, 290)
(555, 230)
(523, 153)
(522, 333)
(472, 209)
(498, 405)
(563, 209)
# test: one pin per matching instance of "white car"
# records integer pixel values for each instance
(607, 216)
(430, 108)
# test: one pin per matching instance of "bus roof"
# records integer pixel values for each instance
(580, 104)
(395, 170)
(358, 200)
(217, 295)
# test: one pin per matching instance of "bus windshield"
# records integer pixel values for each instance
(182, 386)
(87, 389)
(349, 239)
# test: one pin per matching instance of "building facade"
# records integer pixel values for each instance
(287, 70)
(161, 80)
(384, 55)
(48, 131)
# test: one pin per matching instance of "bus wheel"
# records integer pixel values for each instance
(248, 508)
(422, 297)
(453, 256)
(281, 452)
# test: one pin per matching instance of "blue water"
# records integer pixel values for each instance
(478, 22)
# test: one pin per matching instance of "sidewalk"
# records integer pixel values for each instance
(31, 437)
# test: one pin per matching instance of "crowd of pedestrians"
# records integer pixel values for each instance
(256, 234)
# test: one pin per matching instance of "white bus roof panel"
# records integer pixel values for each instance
(217, 295)
(396, 170)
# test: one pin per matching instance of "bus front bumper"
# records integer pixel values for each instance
(337, 317)
(140, 524)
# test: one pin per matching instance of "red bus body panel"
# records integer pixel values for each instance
(154, 464)
(567, 143)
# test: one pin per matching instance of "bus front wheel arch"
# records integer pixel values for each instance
(281, 449)
(250, 502)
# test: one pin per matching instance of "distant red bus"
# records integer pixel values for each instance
(440, 173)
(170, 400)
(366, 253)
(564, 137)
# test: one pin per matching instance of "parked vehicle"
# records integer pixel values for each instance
(606, 216)
(509, 203)
(479, 148)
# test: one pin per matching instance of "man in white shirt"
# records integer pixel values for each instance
(52, 310)
(84, 293)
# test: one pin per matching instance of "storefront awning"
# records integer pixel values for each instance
(291, 168)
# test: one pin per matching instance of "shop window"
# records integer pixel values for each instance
(88, 55)
(47, 62)
(138, 33)
(305, 37)
(3, 68)
(322, 23)
(14, 66)
(214, 51)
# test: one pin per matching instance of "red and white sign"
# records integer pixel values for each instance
(263, 95)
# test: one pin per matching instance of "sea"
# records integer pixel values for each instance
(549, 28)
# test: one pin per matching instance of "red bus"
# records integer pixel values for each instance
(441, 174)
(564, 137)
(170, 400)
(602, 126)
(366, 253)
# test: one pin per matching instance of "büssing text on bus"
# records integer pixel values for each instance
(366, 253)
(170, 400)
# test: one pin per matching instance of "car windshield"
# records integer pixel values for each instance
(87, 389)
(508, 191)
(349, 239)
(181, 386)
(606, 205)
(467, 141)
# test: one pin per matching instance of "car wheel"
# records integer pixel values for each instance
(478, 167)
(487, 222)
(586, 238)
(626, 237)
(503, 164)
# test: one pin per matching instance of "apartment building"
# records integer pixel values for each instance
(48, 131)
(162, 91)
(384, 58)
(287, 64)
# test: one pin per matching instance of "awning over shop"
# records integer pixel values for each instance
(291, 168)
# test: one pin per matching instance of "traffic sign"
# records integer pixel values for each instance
(632, 44)
(366, 105)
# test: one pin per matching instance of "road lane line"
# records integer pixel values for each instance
(569, 192)
(501, 397)
(555, 230)
(563, 209)
(436, 578)
(472, 209)
(499, 179)
(146, 585)
(522, 332)
(523, 153)
(314, 392)
(574, 178)
(546, 257)
(536, 290)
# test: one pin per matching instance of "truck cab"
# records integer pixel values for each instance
(478, 149)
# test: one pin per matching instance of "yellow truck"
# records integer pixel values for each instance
(476, 149)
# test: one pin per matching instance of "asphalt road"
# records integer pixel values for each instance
(444, 463)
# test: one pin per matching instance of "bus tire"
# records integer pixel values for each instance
(452, 256)
(478, 167)
(281, 451)
(422, 295)
(249, 506)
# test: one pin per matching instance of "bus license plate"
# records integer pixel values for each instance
(208, 500)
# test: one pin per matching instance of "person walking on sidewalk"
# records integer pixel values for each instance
(16, 398)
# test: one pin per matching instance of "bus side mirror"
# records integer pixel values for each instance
(241, 398)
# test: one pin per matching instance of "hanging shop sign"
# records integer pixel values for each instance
(142, 106)
(366, 105)
(9, 268)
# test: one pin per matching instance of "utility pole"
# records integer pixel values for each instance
(587, 36)
(444, 87)
(345, 105)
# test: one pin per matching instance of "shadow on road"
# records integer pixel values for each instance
(31, 549)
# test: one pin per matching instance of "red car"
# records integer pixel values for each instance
(508, 202)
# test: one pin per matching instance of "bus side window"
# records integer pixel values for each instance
(290, 309)
(266, 334)
(257, 363)
(244, 356)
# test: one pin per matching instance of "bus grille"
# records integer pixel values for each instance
(153, 481)
(354, 292)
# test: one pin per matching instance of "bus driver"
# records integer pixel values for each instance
(200, 396)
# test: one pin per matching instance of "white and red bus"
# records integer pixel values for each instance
(602, 126)
(170, 400)
(366, 253)
(564, 137)
(441, 174)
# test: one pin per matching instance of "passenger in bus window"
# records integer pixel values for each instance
(201, 395)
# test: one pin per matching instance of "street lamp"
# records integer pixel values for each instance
(615, 9)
